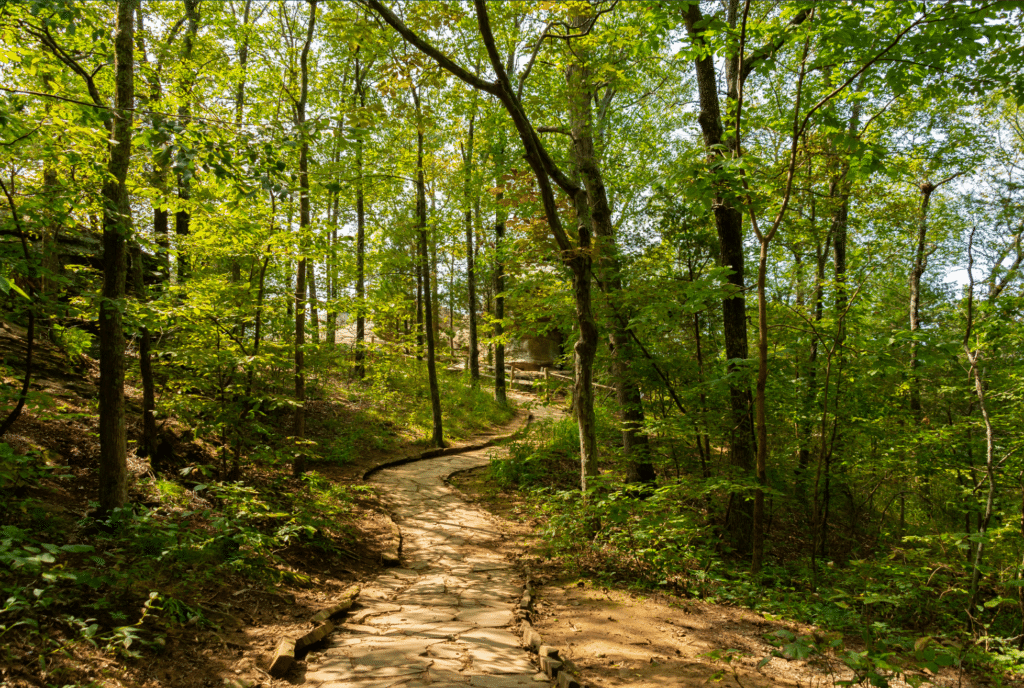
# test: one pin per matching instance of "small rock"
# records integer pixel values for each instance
(551, 667)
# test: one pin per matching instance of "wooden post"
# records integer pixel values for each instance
(547, 384)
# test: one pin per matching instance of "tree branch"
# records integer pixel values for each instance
(427, 49)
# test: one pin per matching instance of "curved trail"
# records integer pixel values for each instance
(445, 618)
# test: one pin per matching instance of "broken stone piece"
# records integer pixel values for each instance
(548, 651)
(343, 605)
(284, 657)
(550, 666)
(532, 638)
(314, 636)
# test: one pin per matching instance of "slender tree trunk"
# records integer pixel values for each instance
(299, 426)
(839, 190)
(183, 217)
(920, 264)
(360, 239)
(421, 219)
(256, 334)
(432, 280)
(705, 455)
(583, 368)
(314, 305)
(161, 171)
(360, 366)
(419, 303)
(974, 359)
(474, 351)
(117, 223)
(243, 60)
(499, 280)
(332, 275)
(147, 446)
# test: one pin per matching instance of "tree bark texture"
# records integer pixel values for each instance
(117, 223)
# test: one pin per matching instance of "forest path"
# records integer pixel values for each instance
(445, 617)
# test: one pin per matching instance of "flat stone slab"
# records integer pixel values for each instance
(399, 646)
(486, 618)
(416, 615)
(491, 637)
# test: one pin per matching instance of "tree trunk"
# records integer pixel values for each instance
(634, 439)
(419, 302)
(147, 446)
(332, 276)
(314, 305)
(117, 223)
(920, 264)
(243, 60)
(499, 280)
(432, 279)
(421, 219)
(183, 218)
(583, 367)
(729, 223)
(474, 351)
(359, 370)
(299, 426)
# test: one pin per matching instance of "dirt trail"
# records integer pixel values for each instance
(445, 617)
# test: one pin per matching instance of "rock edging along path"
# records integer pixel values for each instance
(445, 618)
(520, 423)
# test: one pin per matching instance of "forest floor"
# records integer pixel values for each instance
(611, 637)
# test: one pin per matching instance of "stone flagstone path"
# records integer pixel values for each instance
(445, 618)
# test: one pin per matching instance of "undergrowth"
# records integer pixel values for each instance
(115, 583)
(890, 614)
(74, 582)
